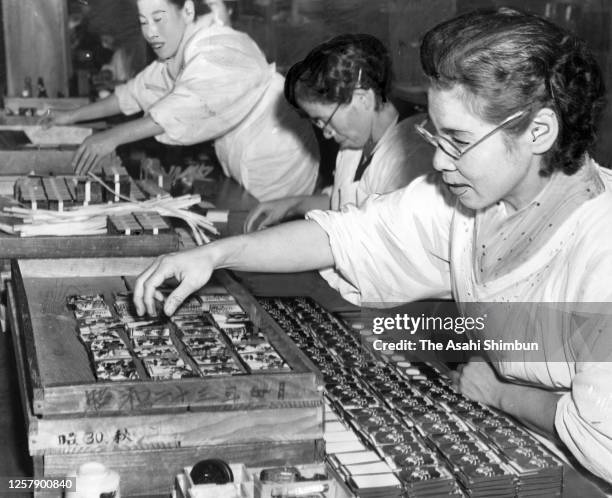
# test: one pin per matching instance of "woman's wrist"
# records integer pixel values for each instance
(72, 116)
(311, 202)
(504, 398)
(223, 253)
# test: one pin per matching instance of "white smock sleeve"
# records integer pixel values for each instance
(395, 248)
(222, 80)
(143, 90)
(583, 417)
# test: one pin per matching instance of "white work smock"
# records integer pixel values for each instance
(419, 243)
(220, 87)
(398, 158)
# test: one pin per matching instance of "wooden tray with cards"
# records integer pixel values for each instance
(252, 385)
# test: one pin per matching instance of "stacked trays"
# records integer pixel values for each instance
(411, 426)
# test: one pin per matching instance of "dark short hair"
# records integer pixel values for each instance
(201, 7)
(334, 69)
(507, 60)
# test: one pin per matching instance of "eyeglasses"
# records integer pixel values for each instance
(322, 125)
(450, 148)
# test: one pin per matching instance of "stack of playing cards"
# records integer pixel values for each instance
(254, 350)
(366, 473)
(431, 437)
(103, 336)
(376, 485)
(480, 471)
(206, 345)
(428, 480)
(538, 472)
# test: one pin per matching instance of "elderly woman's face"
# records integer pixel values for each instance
(163, 25)
(348, 124)
(500, 168)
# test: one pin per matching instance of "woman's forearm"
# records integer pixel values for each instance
(296, 246)
(310, 202)
(137, 129)
(290, 247)
(533, 406)
(96, 110)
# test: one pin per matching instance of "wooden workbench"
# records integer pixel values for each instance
(14, 459)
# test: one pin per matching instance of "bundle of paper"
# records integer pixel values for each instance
(260, 356)
(30, 192)
(376, 485)
(408, 455)
(118, 369)
(103, 338)
(153, 344)
(117, 178)
(168, 366)
(480, 472)
(124, 307)
(141, 331)
(205, 344)
(123, 224)
(538, 472)
(350, 393)
(108, 347)
(428, 481)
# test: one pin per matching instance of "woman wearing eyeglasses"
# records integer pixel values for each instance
(209, 82)
(517, 212)
(343, 87)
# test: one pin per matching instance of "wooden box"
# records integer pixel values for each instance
(148, 430)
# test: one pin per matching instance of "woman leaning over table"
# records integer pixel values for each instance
(209, 82)
(343, 87)
(517, 212)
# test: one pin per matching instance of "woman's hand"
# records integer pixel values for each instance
(270, 213)
(93, 149)
(478, 381)
(191, 268)
(55, 117)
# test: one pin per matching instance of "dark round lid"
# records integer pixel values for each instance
(211, 471)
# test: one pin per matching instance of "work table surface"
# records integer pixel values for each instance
(14, 459)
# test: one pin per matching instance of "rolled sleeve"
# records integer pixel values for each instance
(216, 91)
(583, 419)
(391, 250)
(142, 91)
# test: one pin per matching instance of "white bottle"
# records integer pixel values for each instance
(94, 480)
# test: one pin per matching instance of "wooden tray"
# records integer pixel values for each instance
(62, 378)
(147, 429)
(85, 246)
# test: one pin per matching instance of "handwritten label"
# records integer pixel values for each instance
(115, 437)
(143, 397)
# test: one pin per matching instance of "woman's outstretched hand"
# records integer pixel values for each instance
(56, 117)
(93, 149)
(191, 268)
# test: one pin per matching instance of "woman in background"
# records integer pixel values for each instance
(343, 87)
(209, 82)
